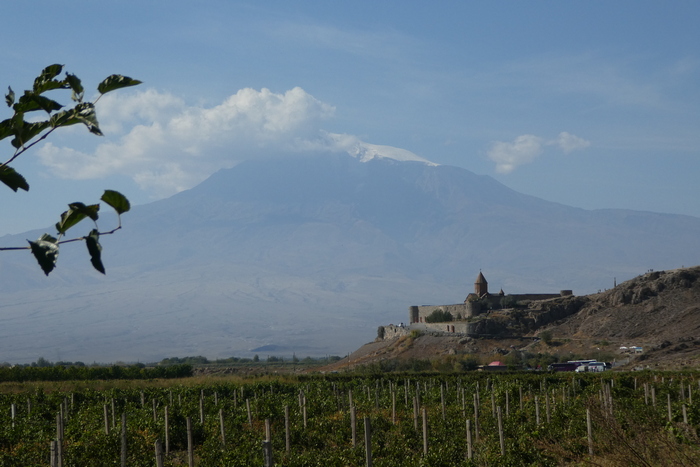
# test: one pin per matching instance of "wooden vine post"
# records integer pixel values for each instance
(304, 408)
(287, 435)
(368, 442)
(476, 417)
(267, 446)
(501, 437)
(442, 401)
(589, 427)
(221, 424)
(190, 444)
(106, 417)
(469, 440)
(353, 425)
(123, 451)
(166, 420)
(53, 461)
(425, 431)
(159, 453)
(415, 413)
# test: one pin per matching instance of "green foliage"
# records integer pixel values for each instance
(439, 316)
(92, 242)
(508, 301)
(25, 134)
(468, 363)
(45, 250)
(117, 201)
(198, 360)
(546, 337)
(44, 371)
(633, 432)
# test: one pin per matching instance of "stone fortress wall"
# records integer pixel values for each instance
(470, 309)
(475, 304)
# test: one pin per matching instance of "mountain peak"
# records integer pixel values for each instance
(366, 152)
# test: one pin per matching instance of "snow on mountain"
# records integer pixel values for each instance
(366, 152)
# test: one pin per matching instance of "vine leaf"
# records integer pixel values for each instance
(30, 102)
(85, 113)
(6, 128)
(115, 82)
(46, 82)
(10, 97)
(95, 249)
(11, 178)
(117, 200)
(76, 85)
(45, 250)
(76, 213)
(24, 131)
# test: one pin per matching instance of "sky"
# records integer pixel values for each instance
(590, 104)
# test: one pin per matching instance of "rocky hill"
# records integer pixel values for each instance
(658, 311)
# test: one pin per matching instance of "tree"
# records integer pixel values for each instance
(439, 316)
(546, 337)
(26, 135)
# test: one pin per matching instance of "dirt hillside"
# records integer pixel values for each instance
(658, 311)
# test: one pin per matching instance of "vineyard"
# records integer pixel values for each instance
(473, 418)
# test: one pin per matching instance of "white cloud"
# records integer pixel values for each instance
(175, 146)
(171, 146)
(526, 148)
(568, 142)
(523, 150)
(115, 109)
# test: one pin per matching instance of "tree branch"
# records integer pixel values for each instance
(71, 240)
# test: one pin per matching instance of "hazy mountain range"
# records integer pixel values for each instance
(309, 255)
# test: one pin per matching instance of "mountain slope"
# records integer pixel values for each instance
(312, 254)
(654, 307)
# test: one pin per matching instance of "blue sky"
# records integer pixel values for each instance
(592, 104)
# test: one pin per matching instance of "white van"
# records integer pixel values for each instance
(591, 366)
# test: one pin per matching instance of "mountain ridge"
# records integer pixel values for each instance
(315, 252)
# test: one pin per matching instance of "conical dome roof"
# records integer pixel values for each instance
(481, 286)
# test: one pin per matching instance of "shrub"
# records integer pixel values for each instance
(546, 337)
(438, 316)
(468, 363)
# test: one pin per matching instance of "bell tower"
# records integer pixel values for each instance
(481, 286)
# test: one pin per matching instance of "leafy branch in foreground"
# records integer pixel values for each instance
(25, 135)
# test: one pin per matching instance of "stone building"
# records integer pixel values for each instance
(477, 302)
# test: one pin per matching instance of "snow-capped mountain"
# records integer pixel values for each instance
(366, 152)
(311, 254)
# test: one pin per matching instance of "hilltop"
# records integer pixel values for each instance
(658, 311)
